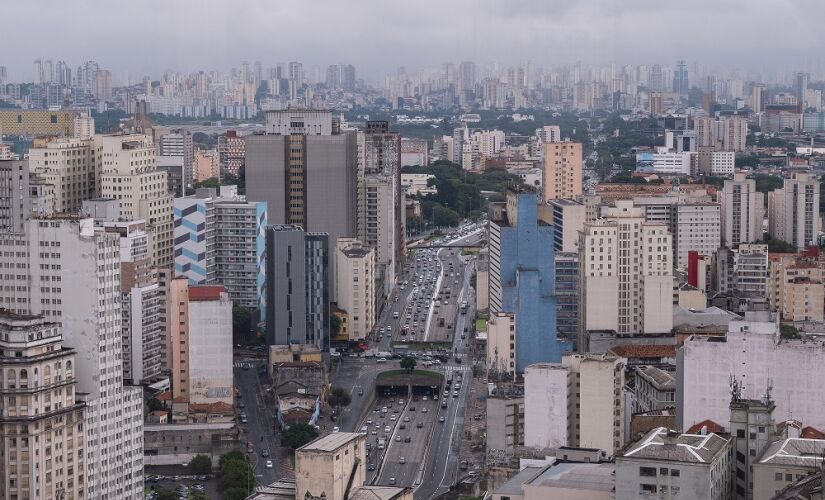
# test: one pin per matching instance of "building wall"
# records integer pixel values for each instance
(567, 219)
(71, 166)
(742, 211)
(562, 170)
(328, 472)
(754, 357)
(505, 417)
(483, 280)
(37, 122)
(355, 281)
(595, 397)
(501, 344)
(14, 194)
(210, 350)
(177, 330)
(545, 406)
(694, 480)
(567, 295)
(698, 228)
(793, 211)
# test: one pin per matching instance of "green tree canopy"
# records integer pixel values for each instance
(408, 363)
(338, 396)
(298, 435)
(201, 465)
(235, 472)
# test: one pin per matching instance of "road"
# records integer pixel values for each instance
(259, 427)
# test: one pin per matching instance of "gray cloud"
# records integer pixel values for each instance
(150, 36)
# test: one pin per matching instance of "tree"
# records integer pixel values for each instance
(298, 435)
(338, 396)
(236, 493)
(408, 363)
(201, 465)
(334, 324)
(235, 472)
(241, 322)
(778, 246)
(788, 332)
(155, 405)
(445, 217)
(165, 494)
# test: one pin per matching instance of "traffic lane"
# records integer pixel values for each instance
(413, 452)
(259, 430)
(378, 429)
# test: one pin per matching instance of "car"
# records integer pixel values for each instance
(369, 421)
(360, 391)
(424, 398)
(441, 419)
(335, 429)
(392, 481)
(381, 360)
(269, 464)
(241, 405)
(406, 419)
(374, 432)
(419, 425)
(402, 460)
(387, 429)
(265, 453)
(393, 417)
(243, 419)
(398, 438)
(402, 426)
(424, 410)
(364, 429)
(371, 467)
(446, 393)
(407, 439)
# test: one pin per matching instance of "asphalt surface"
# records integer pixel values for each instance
(259, 428)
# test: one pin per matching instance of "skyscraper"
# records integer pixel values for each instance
(680, 79)
(522, 278)
(297, 284)
(793, 211)
(562, 170)
(14, 195)
(305, 169)
(800, 88)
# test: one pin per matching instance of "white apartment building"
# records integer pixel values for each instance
(71, 166)
(355, 281)
(728, 133)
(742, 211)
(545, 405)
(73, 278)
(42, 440)
(697, 228)
(793, 211)
(722, 162)
(595, 401)
(664, 162)
(548, 133)
(128, 173)
(562, 163)
(501, 344)
(755, 356)
(626, 273)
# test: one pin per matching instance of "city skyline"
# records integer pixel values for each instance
(547, 34)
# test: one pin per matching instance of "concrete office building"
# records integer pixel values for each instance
(220, 240)
(722, 163)
(664, 161)
(329, 466)
(595, 401)
(562, 170)
(79, 261)
(752, 429)
(785, 461)
(567, 220)
(795, 288)
(545, 406)
(522, 278)
(297, 286)
(207, 165)
(567, 294)
(305, 169)
(14, 195)
(626, 276)
(414, 152)
(754, 356)
(177, 143)
(71, 166)
(501, 345)
(483, 279)
(128, 173)
(42, 440)
(666, 464)
(548, 133)
(793, 211)
(37, 122)
(654, 389)
(697, 228)
(505, 417)
(742, 211)
(355, 279)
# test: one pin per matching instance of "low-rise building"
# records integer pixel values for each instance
(666, 464)
(561, 480)
(505, 423)
(655, 389)
(545, 406)
(785, 462)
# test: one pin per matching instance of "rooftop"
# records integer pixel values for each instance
(577, 476)
(794, 452)
(644, 351)
(376, 493)
(205, 292)
(515, 484)
(658, 377)
(331, 442)
(667, 445)
(709, 425)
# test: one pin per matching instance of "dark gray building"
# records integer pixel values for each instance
(305, 169)
(297, 286)
(14, 195)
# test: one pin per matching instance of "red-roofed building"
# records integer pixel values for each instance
(708, 425)
(645, 354)
(206, 292)
(811, 433)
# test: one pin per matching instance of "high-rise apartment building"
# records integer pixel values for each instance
(743, 270)
(208, 346)
(71, 166)
(567, 294)
(178, 143)
(231, 153)
(695, 228)
(562, 170)
(793, 211)
(758, 98)
(742, 210)
(680, 79)
(220, 240)
(15, 204)
(626, 273)
(42, 437)
(380, 204)
(297, 286)
(305, 169)
(76, 282)
(522, 278)
(800, 87)
(128, 173)
(355, 280)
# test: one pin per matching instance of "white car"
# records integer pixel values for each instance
(269, 464)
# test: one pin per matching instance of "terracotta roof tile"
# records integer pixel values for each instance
(644, 351)
(710, 424)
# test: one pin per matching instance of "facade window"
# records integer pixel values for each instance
(647, 471)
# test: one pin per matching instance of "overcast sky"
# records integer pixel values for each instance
(150, 36)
